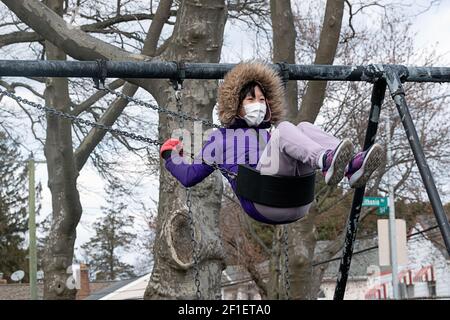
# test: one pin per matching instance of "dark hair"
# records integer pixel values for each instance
(249, 88)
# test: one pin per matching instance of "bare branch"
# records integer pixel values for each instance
(161, 17)
(96, 135)
(78, 109)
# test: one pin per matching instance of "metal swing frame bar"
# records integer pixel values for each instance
(383, 76)
(171, 70)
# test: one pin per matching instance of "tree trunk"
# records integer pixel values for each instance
(302, 239)
(274, 284)
(305, 282)
(198, 36)
(302, 242)
(62, 179)
(329, 38)
(301, 236)
(284, 38)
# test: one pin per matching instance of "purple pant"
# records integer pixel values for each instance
(292, 150)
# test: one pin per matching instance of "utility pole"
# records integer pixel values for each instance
(392, 223)
(32, 250)
(32, 228)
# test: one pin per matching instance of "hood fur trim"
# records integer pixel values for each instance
(237, 78)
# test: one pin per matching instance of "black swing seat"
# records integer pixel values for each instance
(275, 191)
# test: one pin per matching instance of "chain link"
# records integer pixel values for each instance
(178, 96)
(225, 172)
(287, 282)
(73, 118)
(54, 112)
(181, 118)
(194, 244)
(181, 115)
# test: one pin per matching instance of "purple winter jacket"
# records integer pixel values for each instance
(222, 147)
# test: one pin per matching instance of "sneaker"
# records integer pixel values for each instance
(334, 162)
(363, 164)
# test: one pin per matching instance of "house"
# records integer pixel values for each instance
(21, 291)
(357, 277)
(130, 289)
(426, 276)
(18, 291)
(237, 283)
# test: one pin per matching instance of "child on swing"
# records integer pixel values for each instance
(250, 101)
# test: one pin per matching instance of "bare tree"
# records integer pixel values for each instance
(195, 34)
(348, 119)
(302, 238)
(198, 42)
(345, 114)
(242, 243)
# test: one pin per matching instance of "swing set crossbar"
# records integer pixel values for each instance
(170, 70)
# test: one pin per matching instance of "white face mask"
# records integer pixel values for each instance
(254, 113)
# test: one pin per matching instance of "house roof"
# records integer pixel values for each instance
(108, 288)
(360, 262)
(19, 291)
(429, 221)
(130, 289)
(237, 273)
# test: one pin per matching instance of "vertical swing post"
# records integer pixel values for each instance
(398, 95)
(377, 98)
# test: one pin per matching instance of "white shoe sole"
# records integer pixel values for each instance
(373, 160)
(341, 158)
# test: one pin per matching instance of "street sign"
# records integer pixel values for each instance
(380, 202)
(383, 211)
(375, 202)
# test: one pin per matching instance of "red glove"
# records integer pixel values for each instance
(169, 145)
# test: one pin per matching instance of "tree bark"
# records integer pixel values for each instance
(108, 118)
(284, 38)
(62, 180)
(198, 36)
(72, 41)
(302, 242)
(329, 38)
(27, 36)
(302, 239)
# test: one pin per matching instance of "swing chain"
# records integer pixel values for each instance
(287, 282)
(178, 86)
(181, 115)
(194, 244)
(178, 95)
(54, 112)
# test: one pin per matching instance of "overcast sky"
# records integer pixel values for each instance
(432, 28)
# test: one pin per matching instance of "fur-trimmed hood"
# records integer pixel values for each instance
(237, 78)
